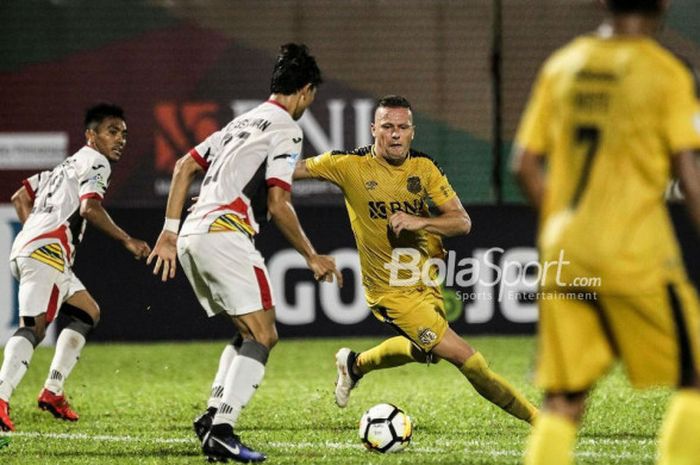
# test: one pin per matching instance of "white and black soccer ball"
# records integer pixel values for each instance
(385, 428)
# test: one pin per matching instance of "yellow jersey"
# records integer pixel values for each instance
(608, 114)
(374, 190)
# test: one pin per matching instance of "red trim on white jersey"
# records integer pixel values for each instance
(264, 286)
(199, 159)
(279, 183)
(28, 186)
(59, 234)
(275, 102)
(238, 206)
(91, 195)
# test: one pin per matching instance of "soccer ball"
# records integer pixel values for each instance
(385, 428)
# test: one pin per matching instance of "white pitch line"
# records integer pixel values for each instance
(612, 441)
(98, 437)
(473, 446)
(593, 441)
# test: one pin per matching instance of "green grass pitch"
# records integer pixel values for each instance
(137, 401)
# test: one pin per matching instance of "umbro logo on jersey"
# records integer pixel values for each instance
(296, 140)
(370, 185)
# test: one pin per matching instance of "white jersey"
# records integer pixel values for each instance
(254, 151)
(54, 227)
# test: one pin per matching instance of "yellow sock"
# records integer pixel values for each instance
(551, 441)
(495, 388)
(392, 352)
(678, 440)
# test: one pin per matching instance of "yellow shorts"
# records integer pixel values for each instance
(656, 336)
(418, 315)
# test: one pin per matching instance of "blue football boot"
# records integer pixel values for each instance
(222, 447)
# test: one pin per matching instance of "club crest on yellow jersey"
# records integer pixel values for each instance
(413, 184)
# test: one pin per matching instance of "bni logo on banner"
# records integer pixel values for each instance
(9, 313)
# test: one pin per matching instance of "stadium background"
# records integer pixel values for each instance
(182, 68)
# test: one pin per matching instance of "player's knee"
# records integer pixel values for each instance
(454, 349)
(569, 404)
(87, 307)
(266, 335)
(96, 315)
(81, 321)
(33, 334)
(93, 312)
(421, 356)
(269, 338)
(255, 350)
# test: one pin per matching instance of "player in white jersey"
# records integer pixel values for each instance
(53, 207)
(248, 168)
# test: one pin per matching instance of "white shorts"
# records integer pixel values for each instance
(43, 288)
(226, 271)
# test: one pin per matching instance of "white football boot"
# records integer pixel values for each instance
(346, 381)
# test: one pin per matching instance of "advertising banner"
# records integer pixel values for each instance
(490, 279)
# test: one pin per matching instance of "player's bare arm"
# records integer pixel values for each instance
(301, 172)
(687, 170)
(453, 220)
(279, 204)
(165, 250)
(529, 170)
(92, 210)
(23, 203)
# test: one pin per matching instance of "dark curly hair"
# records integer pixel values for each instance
(294, 69)
(97, 113)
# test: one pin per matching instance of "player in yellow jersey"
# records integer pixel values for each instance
(612, 115)
(387, 187)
